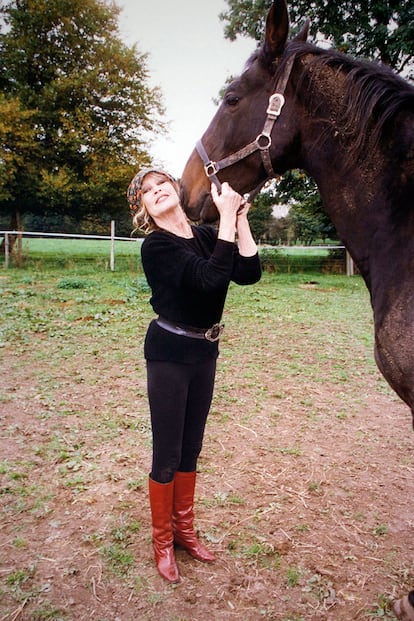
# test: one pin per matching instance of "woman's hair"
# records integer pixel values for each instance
(141, 219)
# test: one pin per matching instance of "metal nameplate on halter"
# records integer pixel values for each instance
(211, 169)
(214, 333)
(276, 103)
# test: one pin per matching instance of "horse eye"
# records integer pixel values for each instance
(232, 100)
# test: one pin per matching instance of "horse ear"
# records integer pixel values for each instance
(277, 30)
(303, 34)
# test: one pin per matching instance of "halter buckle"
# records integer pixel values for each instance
(211, 169)
(276, 103)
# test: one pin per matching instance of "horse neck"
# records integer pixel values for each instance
(354, 189)
(347, 192)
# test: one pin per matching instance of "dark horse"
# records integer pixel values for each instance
(350, 125)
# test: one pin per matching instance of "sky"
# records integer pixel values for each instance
(189, 59)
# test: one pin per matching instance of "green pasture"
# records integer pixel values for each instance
(60, 283)
(48, 248)
(47, 253)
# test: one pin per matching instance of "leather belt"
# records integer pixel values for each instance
(209, 334)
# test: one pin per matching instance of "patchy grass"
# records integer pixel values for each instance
(305, 481)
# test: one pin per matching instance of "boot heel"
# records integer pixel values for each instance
(183, 518)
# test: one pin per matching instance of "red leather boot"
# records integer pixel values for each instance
(183, 517)
(161, 502)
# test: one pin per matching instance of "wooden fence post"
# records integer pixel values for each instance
(6, 250)
(112, 245)
(349, 264)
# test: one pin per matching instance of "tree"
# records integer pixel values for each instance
(306, 221)
(307, 214)
(381, 30)
(76, 110)
(16, 144)
(260, 214)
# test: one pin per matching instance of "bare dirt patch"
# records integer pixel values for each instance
(304, 492)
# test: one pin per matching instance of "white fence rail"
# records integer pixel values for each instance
(113, 238)
(19, 234)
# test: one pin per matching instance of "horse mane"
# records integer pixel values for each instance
(373, 94)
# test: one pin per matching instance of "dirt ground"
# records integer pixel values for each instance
(305, 495)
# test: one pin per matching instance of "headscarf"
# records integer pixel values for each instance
(134, 193)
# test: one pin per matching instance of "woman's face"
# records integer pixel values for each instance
(159, 195)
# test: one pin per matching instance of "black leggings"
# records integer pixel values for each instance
(180, 397)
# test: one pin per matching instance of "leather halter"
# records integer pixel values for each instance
(262, 143)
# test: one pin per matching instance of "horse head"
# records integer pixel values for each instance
(244, 118)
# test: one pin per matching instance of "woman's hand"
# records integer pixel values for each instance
(228, 204)
(243, 211)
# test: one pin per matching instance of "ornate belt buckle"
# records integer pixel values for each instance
(213, 334)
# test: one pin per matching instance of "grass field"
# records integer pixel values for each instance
(55, 252)
(305, 480)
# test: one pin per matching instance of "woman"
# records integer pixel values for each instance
(189, 269)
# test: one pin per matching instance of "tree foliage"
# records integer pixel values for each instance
(260, 214)
(306, 221)
(309, 219)
(380, 30)
(76, 112)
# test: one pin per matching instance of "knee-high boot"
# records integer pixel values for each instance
(161, 502)
(183, 517)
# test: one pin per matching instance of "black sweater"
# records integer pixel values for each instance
(189, 279)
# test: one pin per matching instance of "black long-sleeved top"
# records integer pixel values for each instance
(189, 279)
